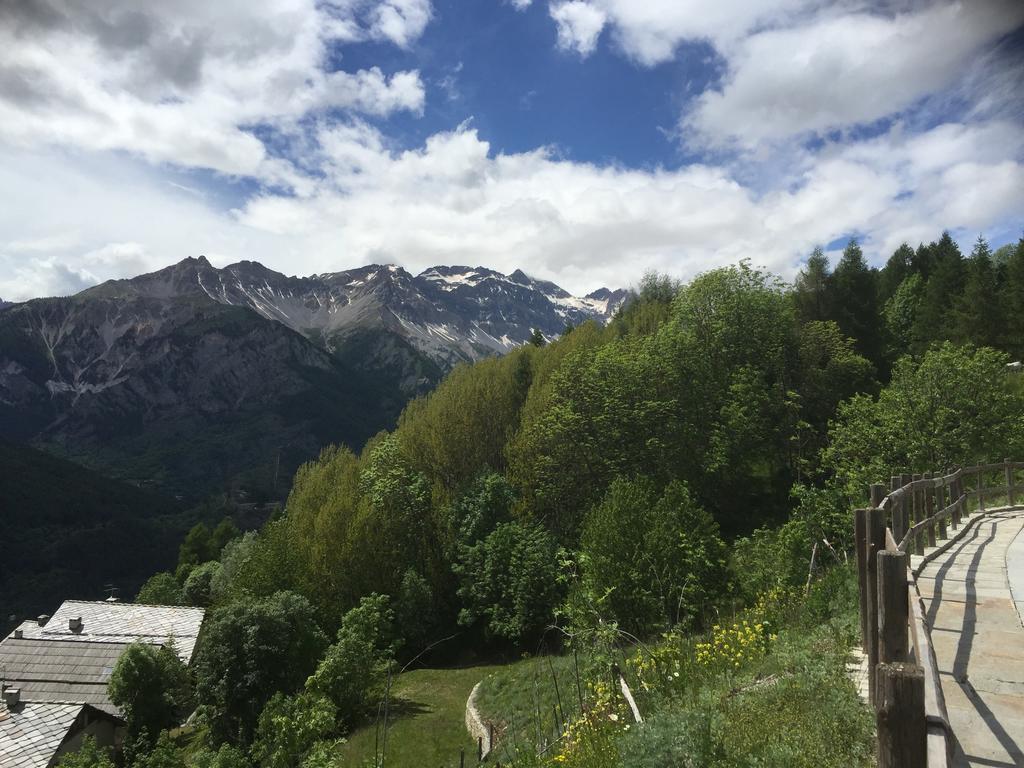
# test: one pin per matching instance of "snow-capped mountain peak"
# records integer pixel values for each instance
(448, 313)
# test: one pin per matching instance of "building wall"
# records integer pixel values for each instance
(106, 731)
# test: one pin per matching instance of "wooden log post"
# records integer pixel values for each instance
(958, 484)
(896, 512)
(907, 508)
(929, 509)
(1011, 495)
(945, 497)
(877, 494)
(981, 489)
(860, 539)
(900, 718)
(961, 501)
(919, 515)
(893, 607)
(875, 544)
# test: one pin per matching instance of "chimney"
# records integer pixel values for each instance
(18, 634)
(11, 697)
(75, 624)
(41, 619)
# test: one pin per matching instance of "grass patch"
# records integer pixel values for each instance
(740, 696)
(427, 725)
(526, 699)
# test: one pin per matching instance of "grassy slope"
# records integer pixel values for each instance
(808, 714)
(427, 724)
(512, 695)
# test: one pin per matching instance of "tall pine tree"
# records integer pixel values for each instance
(812, 292)
(937, 319)
(856, 303)
(979, 317)
(897, 269)
(1013, 302)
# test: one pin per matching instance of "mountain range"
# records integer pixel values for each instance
(194, 377)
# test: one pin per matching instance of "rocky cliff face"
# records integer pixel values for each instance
(188, 376)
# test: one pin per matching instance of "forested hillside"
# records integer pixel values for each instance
(67, 532)
(662, 479)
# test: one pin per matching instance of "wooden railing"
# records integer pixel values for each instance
(903, 680)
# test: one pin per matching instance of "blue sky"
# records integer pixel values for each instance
(502, 70)
(584, 141)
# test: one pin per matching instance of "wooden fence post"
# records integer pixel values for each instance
(907, 509)
(896, 511)
(875, 544)
(893, 607)
(877, 494)
(902, 729)
(919, 515)
(946, 491)
(929, 509)
(958, 489)
(981, 489)
(1011, 495)
(860, 539)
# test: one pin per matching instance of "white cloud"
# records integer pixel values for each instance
(400, 21)
(579, 25)
(652, 30)
(454, 201)
(182, 82)
(843, 70)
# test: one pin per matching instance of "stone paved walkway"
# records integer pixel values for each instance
(979, 639)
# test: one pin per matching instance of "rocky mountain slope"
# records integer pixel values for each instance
(191, 376)
(449, 314)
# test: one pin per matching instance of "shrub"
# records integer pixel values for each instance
(354, 670)
(658, 557)
(88, 756)
(288, 728)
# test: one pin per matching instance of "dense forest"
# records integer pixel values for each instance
(68, 531)
(623, 485)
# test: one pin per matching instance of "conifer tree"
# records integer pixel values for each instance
(979, 317)
(897, 269)
(811, 291)
(1013, 302)
(937, 319)
(856, 303)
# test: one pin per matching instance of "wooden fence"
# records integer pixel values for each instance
(903, 681)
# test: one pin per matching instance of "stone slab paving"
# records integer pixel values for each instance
(978, 638)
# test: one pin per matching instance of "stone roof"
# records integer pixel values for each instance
(31, 733)
(60, 671)
(104, 622)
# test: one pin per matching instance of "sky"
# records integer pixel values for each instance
(583, 141)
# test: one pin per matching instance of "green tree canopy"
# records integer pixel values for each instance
(658, 557)
(353, 672)
(160, 589)
(151, 686)
(508, 582)
(953, 406)
(251, 649)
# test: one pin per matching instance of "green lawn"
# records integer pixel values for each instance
(427, 723)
